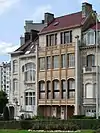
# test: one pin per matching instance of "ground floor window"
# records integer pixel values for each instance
(29, 98)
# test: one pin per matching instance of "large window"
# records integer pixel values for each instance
(41, 90)
(56, 89)
(89, 90)
(71, 88)
(90, 60)
(15, 86)
(71, 60)
(66, 37)
(29, 71)
(15, 66)
(51, 39)
(29, 98)
(48, 90)
(42, 63)
(56, 61)
(48, 62)
(63, 60)
(90, 37)
(63, 86)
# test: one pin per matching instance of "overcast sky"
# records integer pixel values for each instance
(13, 14)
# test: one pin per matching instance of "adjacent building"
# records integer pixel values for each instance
(54, 70)
(5, 75)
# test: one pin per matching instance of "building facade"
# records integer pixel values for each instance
(54, 70)
(5, 76)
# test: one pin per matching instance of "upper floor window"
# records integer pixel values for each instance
(90, 37)
(48, 62)
(66, 37)
(63, 60)
(42, 63)
(15, 85)
(63, 86)
(29, 70)
(15, 66)
(90, 60)
(41, 90)
(51, 39)
(29, 98)
(71, 60)
(56, 61)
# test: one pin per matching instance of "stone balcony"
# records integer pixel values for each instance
(89, 101)
(89, 69)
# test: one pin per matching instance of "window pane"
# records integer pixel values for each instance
(33, 103)
(56, 95)
(56, 85)
(15, 66)
(63, 61)
(90, 38)
(26, 100)
(67, 37)
(71, 84)
(42, 86)
(42, 95)
(42, 63)
(56, 61)
(89, 91)
(71, 60)
(72, 94)
(30, 100)
(48, 62)
(52, 40)
(90, 60)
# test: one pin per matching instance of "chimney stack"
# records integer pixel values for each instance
(48, 18)
(86, 9)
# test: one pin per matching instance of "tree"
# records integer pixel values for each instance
(3, 100)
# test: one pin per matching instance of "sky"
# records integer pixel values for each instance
(13, 14)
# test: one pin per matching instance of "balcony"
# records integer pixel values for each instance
(89, 101)
(89, 69)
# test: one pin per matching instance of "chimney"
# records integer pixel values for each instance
(48, 18)
(86, 9)
(27, 36)
(22, 40)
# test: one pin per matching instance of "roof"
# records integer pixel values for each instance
(94, 26)
(67, 21)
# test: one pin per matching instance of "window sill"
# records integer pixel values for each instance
(15, 73)
(29, 82)
(71, 67)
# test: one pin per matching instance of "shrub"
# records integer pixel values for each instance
(26, 124)
(97, 131)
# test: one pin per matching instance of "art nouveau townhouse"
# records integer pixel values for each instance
(65, 84)
(23, 73)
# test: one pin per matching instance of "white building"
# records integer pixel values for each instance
(5, 75)
(23, 73)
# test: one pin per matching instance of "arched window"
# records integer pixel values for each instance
(29, 98)
(48, 90)
(63, 86)
(56, 89)
(90, 60)
(71, 88)
(41, 89)
(89, 90)
(15, 66)
(15, 86)
(29, 71)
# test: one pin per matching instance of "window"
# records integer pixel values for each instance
(63, 60)
(56, 89)
(15, 85)
(63, 85)
(90, 37)
(71, 60)
(51, 40)
(15, 66)
(71, 88)
(90, 60)
(42, 63)
(66, 37)
(29, 98)
(48, 90)
(89, 90)
(29, 70)
(41, 90)
(56, 61)
(48, 62)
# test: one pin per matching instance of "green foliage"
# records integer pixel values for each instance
(3, 100)
(97, 131)
(26, 124)
(6, 113)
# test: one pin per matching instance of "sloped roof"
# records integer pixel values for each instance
(94, 26)
(67, 21)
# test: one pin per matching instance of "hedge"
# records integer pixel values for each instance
(51, 124)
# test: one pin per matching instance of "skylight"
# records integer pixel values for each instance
(27, 52)
(56, 23)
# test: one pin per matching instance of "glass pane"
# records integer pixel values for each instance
(56, 61)
(30, 100)
(71, 60)
(33, 101)
(72, 94)
(26, 100)
(63, 61)
(42, 63)
(56, 85)
(48, 62)
(56, 95)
